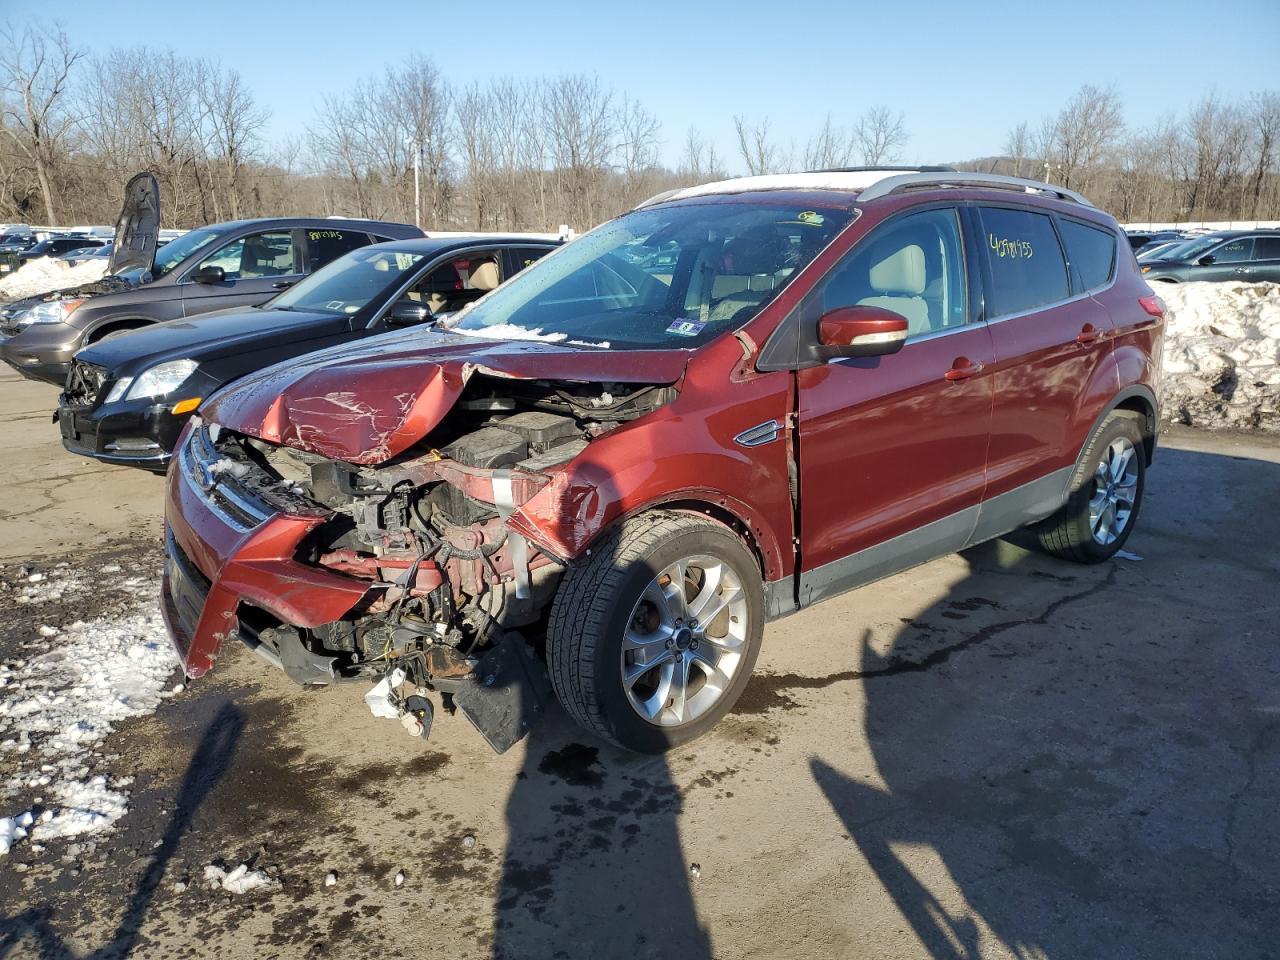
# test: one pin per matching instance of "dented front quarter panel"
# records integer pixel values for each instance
(682, 453)
(368, 403)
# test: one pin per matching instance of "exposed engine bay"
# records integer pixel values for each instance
(449, 580)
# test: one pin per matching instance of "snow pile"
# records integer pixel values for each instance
(47, 274)
(239, 880)
(11, 829)
(509, 331)
(57, 707)
(1222, 354)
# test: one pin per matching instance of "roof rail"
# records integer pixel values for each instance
(993, 181)
(919, 168)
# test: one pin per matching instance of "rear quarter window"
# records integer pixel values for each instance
(1025, 265)
(1091, 250)
(328, 245)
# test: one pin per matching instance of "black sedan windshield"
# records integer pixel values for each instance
(349, 283)
(675, 276)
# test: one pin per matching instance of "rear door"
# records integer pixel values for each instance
(1266, 260)
(256, 266)
(1050, 336)
(892, 449)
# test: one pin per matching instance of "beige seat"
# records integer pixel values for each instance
(484, 277)
(899, 281)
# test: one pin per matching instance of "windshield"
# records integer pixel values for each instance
(173, 253)
(669, 277)
(349, 283)
(1190, 249)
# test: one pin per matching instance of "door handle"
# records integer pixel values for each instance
(282, 284)
(962, 368)
(1089, 334)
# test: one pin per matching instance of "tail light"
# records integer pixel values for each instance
(1152, 305)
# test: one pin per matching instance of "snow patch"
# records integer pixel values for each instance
(1222, 354)
(509, 331)
(57, 707)
(47, 274)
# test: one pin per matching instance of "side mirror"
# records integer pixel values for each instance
(209, 274)
(1207, 259)
(860, 332)
(404, 313)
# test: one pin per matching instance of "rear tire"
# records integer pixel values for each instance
(1106, 492)
(628, 657)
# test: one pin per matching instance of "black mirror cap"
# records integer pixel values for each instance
(209, 274)
(407, 312)
(1207, 260)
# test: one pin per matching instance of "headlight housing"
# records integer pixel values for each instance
(156, 381)
(51, 311)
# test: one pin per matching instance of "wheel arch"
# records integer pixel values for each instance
(114, 325)
(1136, 401)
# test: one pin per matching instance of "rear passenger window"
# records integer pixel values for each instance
(1026, 266)
(329, 245)
(1091, 251)
(913, 266)
(525, 256)
(1266, 248)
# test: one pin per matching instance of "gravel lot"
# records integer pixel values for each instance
(994, 755)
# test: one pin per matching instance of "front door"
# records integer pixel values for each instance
(255, 268)
(892, 449)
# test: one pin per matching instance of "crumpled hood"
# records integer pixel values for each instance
(368, 402)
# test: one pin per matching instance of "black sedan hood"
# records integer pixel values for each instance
(210, 336)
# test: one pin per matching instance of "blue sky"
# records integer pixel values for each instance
(962, 74)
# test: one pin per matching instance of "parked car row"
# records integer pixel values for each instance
(477, 475)
(1222, 255)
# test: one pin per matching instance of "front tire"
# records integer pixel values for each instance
(654, 634)
(1106, 493)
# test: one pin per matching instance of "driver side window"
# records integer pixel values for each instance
(254, 256)
(452, 285)
(913, 266)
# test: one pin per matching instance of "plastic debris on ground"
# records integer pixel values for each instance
(239, 880)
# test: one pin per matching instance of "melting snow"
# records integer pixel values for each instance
(1222, 354)
(47, 274)
(509, 331)
(57, 707)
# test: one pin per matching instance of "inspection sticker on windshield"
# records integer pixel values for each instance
(685, 328)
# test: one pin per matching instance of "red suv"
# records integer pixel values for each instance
(726, 405)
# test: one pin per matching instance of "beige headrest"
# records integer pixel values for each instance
(485, 276)
(901, 273)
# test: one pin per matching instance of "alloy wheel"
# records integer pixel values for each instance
(684, 640)
(1115, 491)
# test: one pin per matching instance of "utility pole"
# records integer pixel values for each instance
(416, 144)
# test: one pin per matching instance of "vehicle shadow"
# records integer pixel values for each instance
(593, 865)
(1086, 779)
(210, 762)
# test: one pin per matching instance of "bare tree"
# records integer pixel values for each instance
(35, 69)
(579, 123)
(880, 136)
(758, 152)
(1079, 139)
(1016, 146)
(637, 149)
(831, 146)
(235, 124)
(1264, 116)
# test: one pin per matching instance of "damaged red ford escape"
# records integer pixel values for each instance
(603, 478)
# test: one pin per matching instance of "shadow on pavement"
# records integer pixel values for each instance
(208, 765)
(1109, 797)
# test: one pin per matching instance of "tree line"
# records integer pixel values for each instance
(524, 153)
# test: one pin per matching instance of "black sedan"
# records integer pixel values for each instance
(127, 398)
